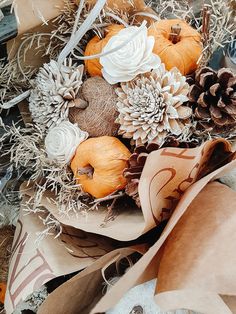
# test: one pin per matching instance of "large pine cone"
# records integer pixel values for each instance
(213, 98)
(138, 159)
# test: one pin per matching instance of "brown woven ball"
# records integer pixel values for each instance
(98, 118)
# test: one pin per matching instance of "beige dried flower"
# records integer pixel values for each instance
(56, 88)
(151, 106)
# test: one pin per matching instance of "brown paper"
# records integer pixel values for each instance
(167, 174)
(35, 263)
(83, 291)
(147, 267)
(32, 13)
(199, 261)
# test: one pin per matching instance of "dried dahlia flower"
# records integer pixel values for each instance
(56, 88)
(151, 106)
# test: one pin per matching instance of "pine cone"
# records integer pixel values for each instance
(212, 96)
(138, 159)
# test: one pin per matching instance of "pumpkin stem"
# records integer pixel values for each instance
(88, 171)
(78, 103)
(175, 33)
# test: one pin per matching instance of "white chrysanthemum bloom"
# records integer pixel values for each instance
(151, 106)
(61, 141)
(133, 58)
(56, 86)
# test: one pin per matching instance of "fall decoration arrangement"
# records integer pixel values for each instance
(127, 88)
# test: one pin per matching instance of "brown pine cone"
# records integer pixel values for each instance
(212, 96)
(138, 159)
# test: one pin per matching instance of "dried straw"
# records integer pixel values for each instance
(28, 156)
(27, 151)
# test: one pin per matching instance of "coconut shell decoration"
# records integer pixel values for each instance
(98, 165)
(177, 44)
(95, 46)
(99, 111)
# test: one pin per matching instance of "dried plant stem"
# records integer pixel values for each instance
(108, 198)
(206, 23)
(110, 216)
(117, 18)
(152, 16)
(19, 51)
(75, 39)
(80, 8)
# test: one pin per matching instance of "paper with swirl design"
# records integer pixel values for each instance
(193, 260)
(167, 174)
(35, 263)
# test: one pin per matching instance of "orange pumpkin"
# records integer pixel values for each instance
(3, 289)
(177, 44)
(95, 46)
(98, 165)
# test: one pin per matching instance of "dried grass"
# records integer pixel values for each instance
(27, 150)
(28, 156)
(14, 80)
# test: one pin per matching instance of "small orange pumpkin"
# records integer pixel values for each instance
(95, 46)
(3, 289)
(98, 165)
(177, 44)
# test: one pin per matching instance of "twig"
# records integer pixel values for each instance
(206, 23)
(110, 216)
(108, 198)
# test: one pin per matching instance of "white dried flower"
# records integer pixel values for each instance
(134, 58)
(151, 106)
(55, 89)
(62, 141)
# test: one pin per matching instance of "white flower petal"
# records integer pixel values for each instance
(62, 141)
(132, 59)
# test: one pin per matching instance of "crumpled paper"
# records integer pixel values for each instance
(209, 198)
(194, 261)
(203, 276)
(35, 261)
(171, 177)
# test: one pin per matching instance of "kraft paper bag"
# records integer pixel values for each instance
(199, 260)
(147, 267)
(167, 174)
(194, 204)
(35, 261)
(32, 13)
(33, 16)
(83, 291)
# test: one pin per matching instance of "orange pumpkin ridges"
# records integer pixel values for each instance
(95, 46)
(180, 47)
(98, 165)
